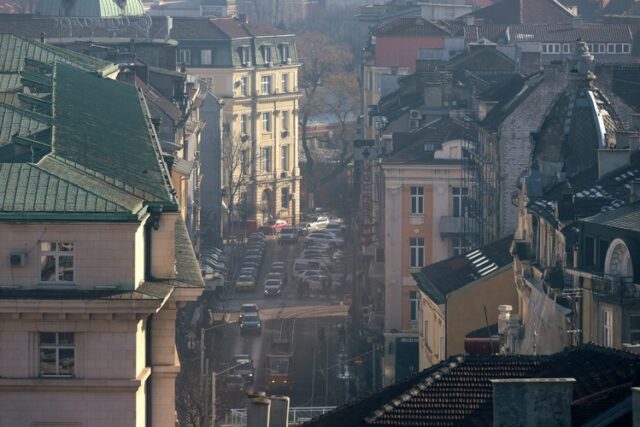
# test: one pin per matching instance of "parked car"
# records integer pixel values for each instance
(249, 309)
(251, 263)
(322, 221)
(273, 286)
(316, 279)
(257, 237)
(250, 323)
(249, 271)
(287, 235)
(335, 228)
(277, 276)
(327, 238)
(280, 268)
(246, 283)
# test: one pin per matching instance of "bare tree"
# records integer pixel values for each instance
(189, 397)
(237, 157)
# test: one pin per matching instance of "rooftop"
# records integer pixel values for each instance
(441, 278)
(524, 12)
(413, 26)
(458, 391)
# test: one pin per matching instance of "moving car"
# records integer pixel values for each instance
(249, 309)
(243, 371)
(250, 323)
(273, 286)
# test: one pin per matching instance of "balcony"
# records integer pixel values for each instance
(452, 226)
(621, 290)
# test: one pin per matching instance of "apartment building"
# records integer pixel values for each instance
(423, 182)
(253, 70)
(95, 258)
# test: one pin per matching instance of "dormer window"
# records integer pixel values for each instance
(284, 53)
(245, 58)
(266, 53)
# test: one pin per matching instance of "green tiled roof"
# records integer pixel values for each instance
(14, 50)
(27, 189)
(16, 121)
(91, 8)
(10, 82)
(108, 132)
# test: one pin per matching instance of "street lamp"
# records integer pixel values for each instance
(203, 373)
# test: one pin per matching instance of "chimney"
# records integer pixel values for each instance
(279, 416)
(530, 402)
(169, 27)
(610, 160)
(243, 17)
(634, 191)
(258, 410)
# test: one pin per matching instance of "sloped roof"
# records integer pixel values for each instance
(412, 26)
(409, 147)
(90, 8)
(624, 218)
(441, 278)
(220, 29)
(458, 391)
(566, 32)
(235, 28)
(510, 100)
(524, 12)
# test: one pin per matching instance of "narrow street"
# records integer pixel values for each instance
(312, 326)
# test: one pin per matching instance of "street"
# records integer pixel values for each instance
(314, 326)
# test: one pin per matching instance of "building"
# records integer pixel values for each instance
(459, 294)
(571, 388)
(523, 12)
(424, 216)
(95, 259)
(253, 70)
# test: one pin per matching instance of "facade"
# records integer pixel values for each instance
(458, 295)
(95, 257)
(253, 70)
(422, 182)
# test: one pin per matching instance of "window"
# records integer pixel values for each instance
(460, 197)
(266, 159)
(611, 48)
(243, 86)
(413, 306)
(285, 120)
(284, 198)
(184, 56)
(416, 249)
(459, 246)
(626, 48)
(417, 200)
(243, 124)
(244, 161)
(244, 55)
(284, 53)
(205, 57)
(285, 82)
(266, 122)
(56, 262)
(265, 85)
(589, 251)
(634, 329)
(370, 80)
(552, 48)
(607, 327)
(57, 354)
(285, 157)
(566, 48)
(266, 53)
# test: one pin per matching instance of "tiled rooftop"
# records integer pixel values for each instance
(458, 392)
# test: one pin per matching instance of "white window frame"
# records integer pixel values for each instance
(266, 159)
(206, 56)
(566, 48)
(611, 48)
(626, 48)
(244, 55)
(458, 246)
(284, 52)
(266, 54)
(461, 195)
(243, 124)
(414, 305)
(56, 347)
(285, 82)
(244, 83)
(266, 85)
(284, 157)
(416, 252)
(56, 254)
(266, 122)
(184, 56)
(607, 327)
(416, 200)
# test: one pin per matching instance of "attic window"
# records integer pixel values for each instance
(284, 53)
(266, 53)
(243, 52)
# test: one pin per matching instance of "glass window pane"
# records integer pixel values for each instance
(66, 361)
(48, 361)
(65, 338)
(47, 338)
(47, 268)
(65, 268)
(47, 246)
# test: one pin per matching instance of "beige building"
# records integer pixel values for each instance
(95, 258)
(253, 70)
(424, 222)
(460, 295)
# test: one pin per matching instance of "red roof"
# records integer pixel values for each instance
(524, 12)
(413, 26)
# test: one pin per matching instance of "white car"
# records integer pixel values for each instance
(322, 221)
(325, 237)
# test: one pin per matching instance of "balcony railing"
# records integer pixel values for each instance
(621, 289)
(457, 226)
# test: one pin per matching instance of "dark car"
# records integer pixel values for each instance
(287, 235)
(250, 323)
(243, 371)
(273, 286)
